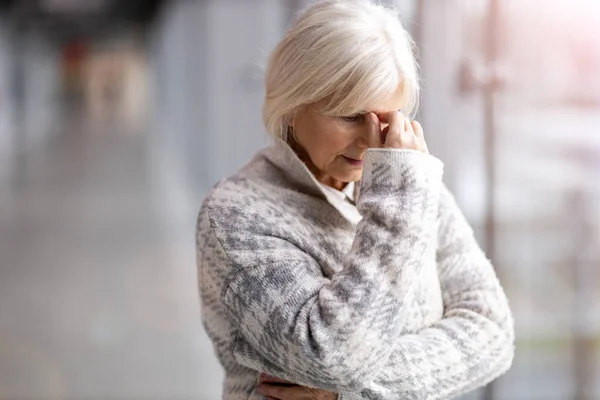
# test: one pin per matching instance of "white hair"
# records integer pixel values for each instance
(342, 55)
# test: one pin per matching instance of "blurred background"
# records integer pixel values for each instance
(116, 117)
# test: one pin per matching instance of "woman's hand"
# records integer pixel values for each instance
(401, 133)
(275, 388)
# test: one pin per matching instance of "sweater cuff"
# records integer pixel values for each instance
(391, 169)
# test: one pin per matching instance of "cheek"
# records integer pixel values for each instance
(331, 141)
(337, 141)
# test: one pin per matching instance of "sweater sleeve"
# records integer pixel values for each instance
(294, 323)
(470, 346)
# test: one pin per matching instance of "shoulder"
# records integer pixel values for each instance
(243, 206)
(242, 191)
(244, 221)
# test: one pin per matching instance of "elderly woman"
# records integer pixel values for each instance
(336, 264)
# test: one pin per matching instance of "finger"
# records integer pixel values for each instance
(384, 134)
(316, 394)
(408, 136)
(417, 129)
(391, 118)
(408, 126)
(420, 136)
(269, 378)
(268, 390)
(282, 392)
(388, 116)
(395, 129)
(374, 138)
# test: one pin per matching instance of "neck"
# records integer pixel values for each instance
(318, 174)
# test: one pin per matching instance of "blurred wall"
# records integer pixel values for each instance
(207, 59)
(206, 96)
(29, 86)
(453, 121)
(41, 65)
(6, 140)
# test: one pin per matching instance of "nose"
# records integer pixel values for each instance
(369, 134)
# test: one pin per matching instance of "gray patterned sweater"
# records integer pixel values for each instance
(401, 305)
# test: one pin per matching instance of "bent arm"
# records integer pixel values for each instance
(302, 327)
(474, 342)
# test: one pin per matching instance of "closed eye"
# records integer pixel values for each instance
(356, 118)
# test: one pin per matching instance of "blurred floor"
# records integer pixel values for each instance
(98, 289)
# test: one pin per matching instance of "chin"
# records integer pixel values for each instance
(351, 177)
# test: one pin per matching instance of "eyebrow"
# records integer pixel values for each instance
(366, 112)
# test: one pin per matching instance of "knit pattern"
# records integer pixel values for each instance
(402, 305)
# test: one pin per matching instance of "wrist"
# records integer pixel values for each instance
(388, 170)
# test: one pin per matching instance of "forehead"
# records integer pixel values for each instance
(394, 103)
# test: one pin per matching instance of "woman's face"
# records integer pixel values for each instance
(333, 148)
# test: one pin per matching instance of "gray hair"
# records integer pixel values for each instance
(341, 56)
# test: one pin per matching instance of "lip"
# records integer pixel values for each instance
(354, 162)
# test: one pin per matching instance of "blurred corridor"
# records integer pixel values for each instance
(98, 297)
(117, 117)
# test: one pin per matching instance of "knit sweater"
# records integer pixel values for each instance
(401, 305)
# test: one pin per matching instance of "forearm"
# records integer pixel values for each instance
(440, 363)
(473, 343)
(460, 353)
